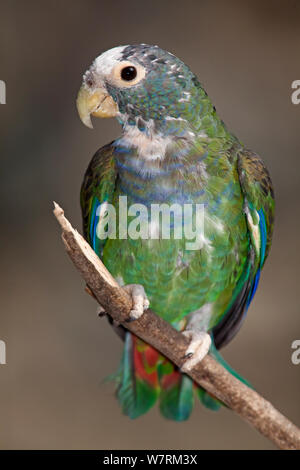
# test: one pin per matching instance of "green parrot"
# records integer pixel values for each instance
(175, 151)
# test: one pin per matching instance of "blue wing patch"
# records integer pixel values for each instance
(94, 222)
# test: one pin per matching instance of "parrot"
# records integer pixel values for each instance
(174, 149)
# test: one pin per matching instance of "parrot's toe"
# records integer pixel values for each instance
(100, 311)
(140, 301)
(200, 342)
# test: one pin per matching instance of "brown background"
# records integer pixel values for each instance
(246, 53)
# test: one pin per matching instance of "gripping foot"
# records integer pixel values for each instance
(200, 342)
(140, 301)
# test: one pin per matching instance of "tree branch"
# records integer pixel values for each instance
(161, 335)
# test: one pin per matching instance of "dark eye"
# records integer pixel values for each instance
(128, 73)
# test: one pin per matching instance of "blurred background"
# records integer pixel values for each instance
(246, 54)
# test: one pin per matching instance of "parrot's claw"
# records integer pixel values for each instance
(140, 301)
(100, 311)
(198, 348)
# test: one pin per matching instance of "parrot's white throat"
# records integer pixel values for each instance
(150, 146)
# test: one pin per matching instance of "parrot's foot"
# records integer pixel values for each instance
(198, 348)
(140, 301)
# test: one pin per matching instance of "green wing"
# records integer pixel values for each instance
(98, 187)
(258, 195)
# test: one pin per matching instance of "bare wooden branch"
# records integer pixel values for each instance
(212, 376)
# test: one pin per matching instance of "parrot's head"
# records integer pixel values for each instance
(138, 84)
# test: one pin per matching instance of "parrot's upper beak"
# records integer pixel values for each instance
(96, 103)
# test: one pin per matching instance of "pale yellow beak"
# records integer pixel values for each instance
(97, 103)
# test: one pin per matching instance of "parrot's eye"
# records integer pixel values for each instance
(128, 73)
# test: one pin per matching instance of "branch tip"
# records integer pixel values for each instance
(62, 220)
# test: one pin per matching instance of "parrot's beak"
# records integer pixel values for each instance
(96, 103)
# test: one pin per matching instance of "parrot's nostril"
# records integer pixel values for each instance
(88, 78)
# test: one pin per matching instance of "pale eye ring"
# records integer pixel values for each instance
(128, 73)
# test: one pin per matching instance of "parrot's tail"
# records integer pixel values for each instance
(145, 376)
